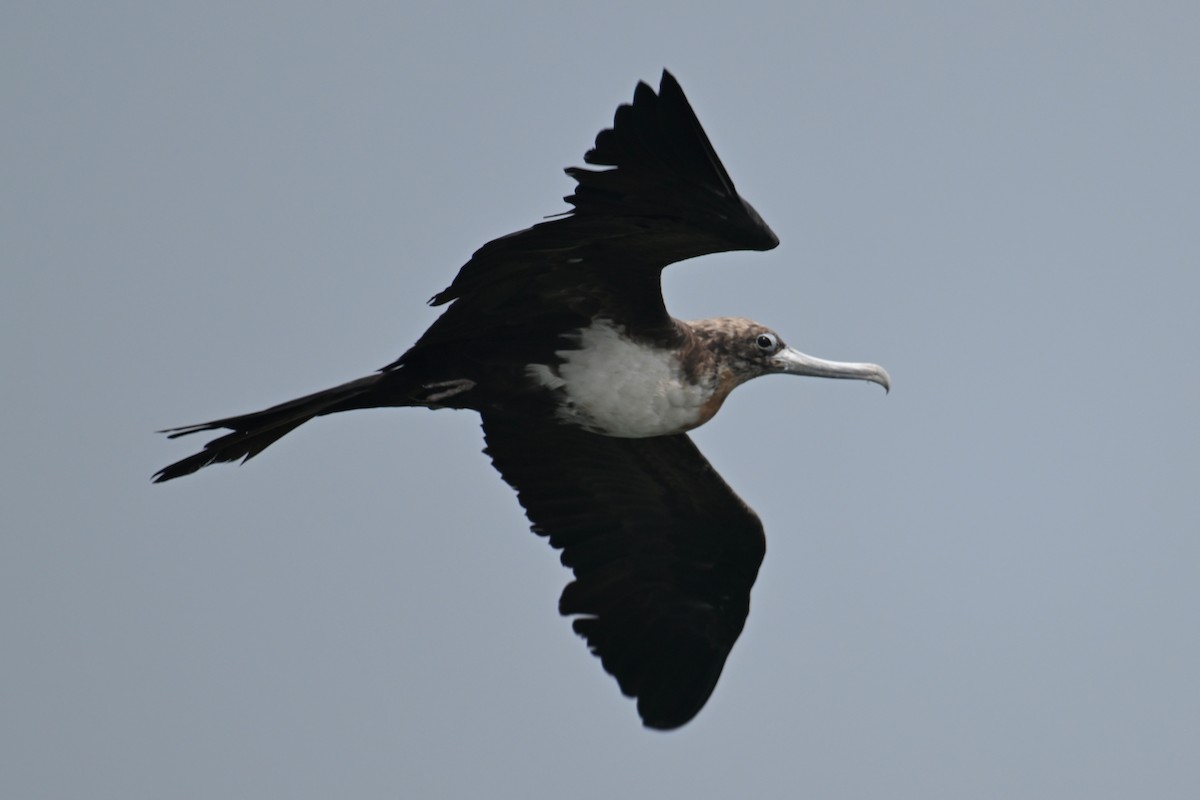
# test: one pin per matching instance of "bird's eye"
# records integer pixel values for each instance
(767, 342)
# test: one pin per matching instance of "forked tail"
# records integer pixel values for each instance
(253, 433)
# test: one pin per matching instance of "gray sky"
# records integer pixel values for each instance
(981, 586)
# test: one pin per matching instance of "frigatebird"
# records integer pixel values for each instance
(558, 336)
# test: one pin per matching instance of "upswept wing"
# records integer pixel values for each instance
(661, 196)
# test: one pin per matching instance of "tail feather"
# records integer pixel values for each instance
(253, 433)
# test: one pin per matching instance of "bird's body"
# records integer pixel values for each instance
(558, 337)
(611, 384)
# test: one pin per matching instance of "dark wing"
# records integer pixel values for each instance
(664, 197)
(664, 553)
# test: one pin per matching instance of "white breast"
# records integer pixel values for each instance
(612, 385)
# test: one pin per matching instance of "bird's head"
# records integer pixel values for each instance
(745, 349)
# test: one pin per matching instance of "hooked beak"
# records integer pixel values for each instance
(792, 362)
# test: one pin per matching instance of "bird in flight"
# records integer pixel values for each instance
(558, 336)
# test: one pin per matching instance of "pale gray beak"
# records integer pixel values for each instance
(792, 362)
